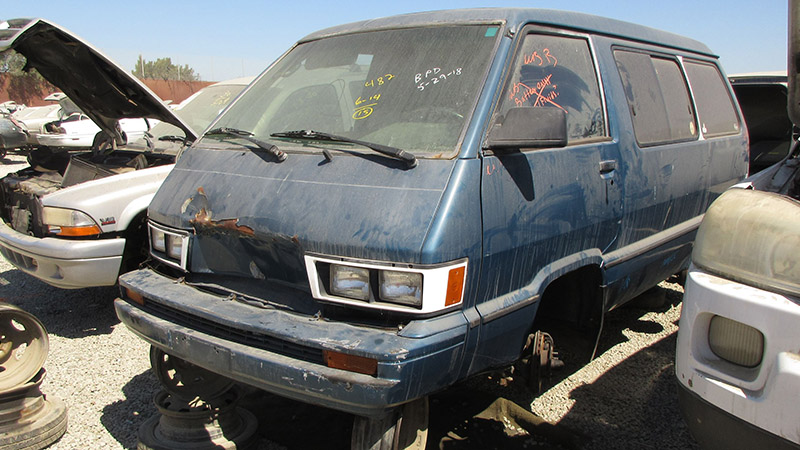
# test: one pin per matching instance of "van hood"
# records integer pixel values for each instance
(253, 217)
(102, 89)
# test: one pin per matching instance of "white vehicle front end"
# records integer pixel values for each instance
(88, 226)
(738, 350)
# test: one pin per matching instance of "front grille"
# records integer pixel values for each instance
(18, 259)
(244, 337)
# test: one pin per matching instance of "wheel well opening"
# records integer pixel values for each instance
(571, 311)
(136, 245)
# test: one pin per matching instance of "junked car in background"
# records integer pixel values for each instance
(34, 118)
(12, 134)
(64, 125)
(78, 221)
(10, 106)
(762, 98)
(78, 131)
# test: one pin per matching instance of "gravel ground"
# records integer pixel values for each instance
(624, 399)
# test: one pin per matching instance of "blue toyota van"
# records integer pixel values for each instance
(397, 204)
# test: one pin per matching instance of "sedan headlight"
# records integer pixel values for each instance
(68, 222)
(751, 237)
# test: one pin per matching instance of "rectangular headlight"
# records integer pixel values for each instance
(174, 246)
(735, 342)
(158, 240)
(350, 282)
(401, 287)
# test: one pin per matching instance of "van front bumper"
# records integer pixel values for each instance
(730, 406)
(63, 263)
(275, 350)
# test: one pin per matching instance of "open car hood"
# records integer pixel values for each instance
(102, 89)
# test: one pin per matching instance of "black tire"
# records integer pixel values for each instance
(405, 428)
(48, 427)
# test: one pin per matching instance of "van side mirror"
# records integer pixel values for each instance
(529, 127)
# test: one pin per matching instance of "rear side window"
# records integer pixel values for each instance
(658, 98)
(558, 72)
(714, 103)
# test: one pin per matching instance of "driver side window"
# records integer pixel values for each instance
(557, 72)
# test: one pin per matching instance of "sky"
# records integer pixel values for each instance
(233, 38)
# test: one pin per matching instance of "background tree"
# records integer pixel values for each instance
(163, 69)
(21, 86)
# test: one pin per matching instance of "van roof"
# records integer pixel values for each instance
(518, 17)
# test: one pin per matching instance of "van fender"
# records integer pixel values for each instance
(532, 292)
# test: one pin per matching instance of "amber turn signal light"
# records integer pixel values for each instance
(135, 296)
(455, 286)
(351, 363)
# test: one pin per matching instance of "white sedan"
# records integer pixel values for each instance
(79, 131)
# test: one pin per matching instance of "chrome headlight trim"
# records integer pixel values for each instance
(436, 284)
(172, 239)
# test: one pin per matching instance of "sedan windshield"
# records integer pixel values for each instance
(413, 89)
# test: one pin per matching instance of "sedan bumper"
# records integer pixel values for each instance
(63, 263)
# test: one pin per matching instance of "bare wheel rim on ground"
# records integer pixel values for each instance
(185, 380)
(23, 346)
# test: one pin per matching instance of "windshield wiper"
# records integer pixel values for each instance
(394, 152)
(171, 138)
(248, 136)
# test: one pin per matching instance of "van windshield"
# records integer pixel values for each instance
(410, 88)
(196, 111)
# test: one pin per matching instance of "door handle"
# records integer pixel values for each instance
(607, 166)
